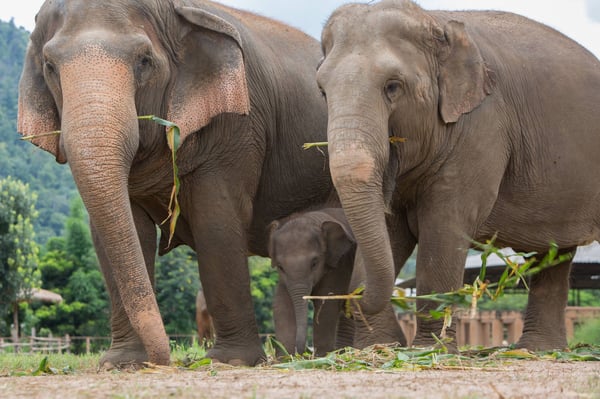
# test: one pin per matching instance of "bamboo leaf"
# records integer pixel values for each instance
(35, 136)
(173, 138)
(306, 146)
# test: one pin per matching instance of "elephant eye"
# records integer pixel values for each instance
(314, 263)
(145, 61)
(49, 67)
(143, 67)
(393, 89)
(323, 92)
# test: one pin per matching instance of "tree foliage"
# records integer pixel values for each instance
(22, 160)
(69, 267)
(263, 279)
(177, 284)
(19, 272)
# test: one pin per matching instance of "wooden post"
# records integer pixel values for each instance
(15, 330)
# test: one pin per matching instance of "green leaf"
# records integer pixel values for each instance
(309, 364)
(517, 354)
(201, 363)
(173, 138)
(43, 367)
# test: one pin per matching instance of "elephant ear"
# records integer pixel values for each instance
(37, 112)
(339, 241)
(211, 77)
(464, 81)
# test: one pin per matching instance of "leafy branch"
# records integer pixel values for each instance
(518, 267)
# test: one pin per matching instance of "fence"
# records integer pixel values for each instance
(495, 328)
(36, 344)
(487, 328)
(68, 344)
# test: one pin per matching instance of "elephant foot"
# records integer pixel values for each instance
(237, 356)
(123, 358)
(541, 342)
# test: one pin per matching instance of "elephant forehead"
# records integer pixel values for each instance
(384, 19)
(296, 240)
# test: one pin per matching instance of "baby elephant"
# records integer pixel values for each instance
(314, 255)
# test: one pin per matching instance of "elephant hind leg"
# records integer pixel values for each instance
(544, 327)
(218, 227)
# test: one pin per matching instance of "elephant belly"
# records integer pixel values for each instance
(533, 224)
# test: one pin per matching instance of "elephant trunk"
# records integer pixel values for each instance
(100, 138)
(301, 313)
(358, 152)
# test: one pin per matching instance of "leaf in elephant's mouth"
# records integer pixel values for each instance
(173, 134)
(307, 146)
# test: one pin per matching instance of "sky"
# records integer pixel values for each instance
(578, 19)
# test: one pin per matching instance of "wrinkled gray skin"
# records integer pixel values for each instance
(242, 90)
(501, 119)
(314, 255)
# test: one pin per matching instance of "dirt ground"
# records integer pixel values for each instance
(511, 379)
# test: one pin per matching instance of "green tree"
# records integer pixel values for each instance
(21, 160)
(19, 273)
(177, 284)
(263, 279)
(69, 267)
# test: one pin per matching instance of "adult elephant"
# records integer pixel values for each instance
(502, 128)
(240, 87)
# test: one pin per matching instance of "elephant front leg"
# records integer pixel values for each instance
(226, 283)
(325, 325)
(126, 348)
(544, 327)
(440, 269)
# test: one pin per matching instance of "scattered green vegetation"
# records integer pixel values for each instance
(395, 358)
(374, 358)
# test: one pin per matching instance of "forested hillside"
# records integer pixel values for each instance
(52, 182)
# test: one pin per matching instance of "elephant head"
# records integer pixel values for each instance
(91, 68)
(391, 70)
(306, 249)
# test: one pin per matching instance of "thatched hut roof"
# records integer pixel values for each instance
(42, 295)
